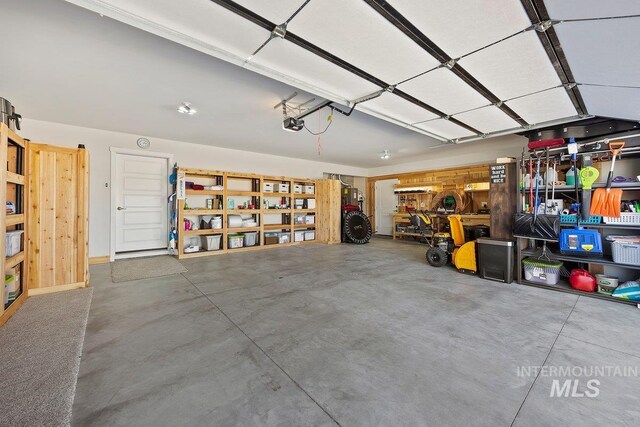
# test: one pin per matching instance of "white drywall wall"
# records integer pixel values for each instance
(185, 154)
(472, 153)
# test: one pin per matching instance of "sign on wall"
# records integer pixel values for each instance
(498, 174)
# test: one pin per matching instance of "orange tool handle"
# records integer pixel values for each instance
(616, 147)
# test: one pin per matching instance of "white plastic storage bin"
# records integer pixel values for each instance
(297, 189)
(542, 271)
(298, 236)
(267, 187)
(626, 218)
(625, 253)
(13, 242)
(311, 203)
(250, 238)
(284, 237)
(211, 243)
(310, 219)
(235, 241)
(299, 219)
(309, 189)
(282, 188)
(310, 235)
(216, 222)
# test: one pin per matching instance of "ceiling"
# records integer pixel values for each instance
(501, 79)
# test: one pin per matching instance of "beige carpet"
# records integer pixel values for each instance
(125, 270)
(40, 349)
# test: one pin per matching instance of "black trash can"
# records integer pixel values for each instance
(473, 232)
(496, 259)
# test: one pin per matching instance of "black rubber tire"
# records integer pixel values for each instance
(357, 227)
(436, 257)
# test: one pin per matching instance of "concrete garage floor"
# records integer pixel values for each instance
(349, 335)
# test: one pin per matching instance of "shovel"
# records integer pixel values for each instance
(606, 201)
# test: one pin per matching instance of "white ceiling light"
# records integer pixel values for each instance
(385, 155)
(187, 108)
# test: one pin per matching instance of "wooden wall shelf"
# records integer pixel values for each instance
(13, 158)
(232, 183)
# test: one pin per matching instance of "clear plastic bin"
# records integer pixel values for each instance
(14, 242)
(211, 243)
(250, 238)
(235, 241)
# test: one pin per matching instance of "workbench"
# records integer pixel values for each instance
(403, 218)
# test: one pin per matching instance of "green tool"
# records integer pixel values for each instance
(588, 175)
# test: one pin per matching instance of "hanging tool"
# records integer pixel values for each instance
(606, 201)
(579, 241)
(546, 182)
(588, 175)
(536, 203)
(534, 224)
(552, 208)
(530, 184)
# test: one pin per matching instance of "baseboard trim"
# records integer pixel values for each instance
(99, 260)
(140, 254)
(59, 288)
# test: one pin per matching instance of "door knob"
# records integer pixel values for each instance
(120, 208)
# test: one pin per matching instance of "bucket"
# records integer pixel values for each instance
(606, 284)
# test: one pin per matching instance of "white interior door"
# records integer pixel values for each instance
(386, 206)
(140, 186)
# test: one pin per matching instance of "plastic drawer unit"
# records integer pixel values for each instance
(496, 259)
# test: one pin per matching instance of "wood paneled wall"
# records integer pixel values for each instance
(58, 217)
(443, 179)
(328, 216)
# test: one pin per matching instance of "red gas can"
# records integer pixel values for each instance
(582, 280)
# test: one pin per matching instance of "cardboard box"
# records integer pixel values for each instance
(298, 236)
(309, 189)
(310, 235)
(297, 189)
(282, 188)
(310, 219)
(267, 187)
(311, 203)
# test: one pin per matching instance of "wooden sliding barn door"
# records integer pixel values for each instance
(58, 217)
